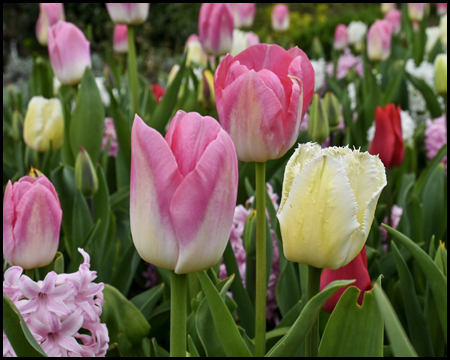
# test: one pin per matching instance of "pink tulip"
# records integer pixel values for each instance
(441, 8)
(262, 95)
(379, 40)
(386, 7)
(280, 17)
(340, 37)
(120, 42)
(416, 11)
(69, 52)
(31, 222)
(49, 14)
(182, 193)
(394, 18)
(215, 28)
(243, 14)
(128, 13)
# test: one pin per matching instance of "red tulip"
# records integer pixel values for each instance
(355, 269)
(158, 92)
(388, 141)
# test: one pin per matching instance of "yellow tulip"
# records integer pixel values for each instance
(43, 124)
(328, 204)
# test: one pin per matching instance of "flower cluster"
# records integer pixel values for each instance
(436, 137)
(62, 311)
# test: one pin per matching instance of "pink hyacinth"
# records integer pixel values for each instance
(109, 134)
(346, 62)
(237, 232)
(396, 215)
(436, 137)
(62, 311)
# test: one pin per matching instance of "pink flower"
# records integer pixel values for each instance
(182, 193)
(379, 40)
(49, 14)
(280, 17)
(346, 62)
(120, 41)
(394, 18)
(109, 134)
(243, 14)
(261, 96)
(386, 7)
(441, 8)
(128, 13)
(436, 137)
(69, 52)
(416, 11)
(340, 37)
(396, 215)
(31, 222)
(215, 28)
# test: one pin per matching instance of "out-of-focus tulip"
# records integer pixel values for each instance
(356, 32)
(182, 193)
(43, 124)
(128, 13)
(379, 41)
(340, 37)
(356, 269)
(318, 127)
(120, 43)
(173, 72)
(243, 40)
(31, 222)
(416, 11)
(85, 175)
(280, 17)
(443, 29)
(388, 140)
(332, 108)
(110, 135)
(206, 96)
(441, 8)
(436, 137)
(394, 18)
(69, 52)
(328, 204)
(158, 92)
(243, 14)
(49, 15)
(215, 28)
(195, 53)
(261, 96)
(440, 74)
(386, 7)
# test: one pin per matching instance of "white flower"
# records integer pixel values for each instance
(433, 35)
(356, 32)
(424, 71)
(319, 70)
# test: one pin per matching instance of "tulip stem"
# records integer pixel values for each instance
(312, 340)
(30, 273)
(260, 306)
(132, 70)
(178, 288)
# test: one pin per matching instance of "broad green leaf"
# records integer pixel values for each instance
(223, 321)
(159, 351)
(17, 332)
(87, 122)
(126, 324)
(391, 93)
(160, 320)
(119, 197)
(126, 268)
(293, 340)
(287, 290)
(441, 258)
(353, 330)
(400, 344)
(65, 97)
(147, 300)
(41, 78)
(81, 222)
(193, 352)
(436, 280)
(428, 94)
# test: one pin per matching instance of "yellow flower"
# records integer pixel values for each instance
(328, 204)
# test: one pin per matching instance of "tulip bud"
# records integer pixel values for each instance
(206, 98)
(128, 13)
(440, 74)
(443, 30)
(120, 41)
(195, 53)
(31, 222)
(318, 128)
(43, 124)
(243, 14)
(85, 174)
(340, 37)
(49, 15)
(280, 17)
(394, 18)
(332, 108)
(441, 8)
(34, 173)
(416, 11)
(215, 28)
(386, 7)
(379, 41)
(69, 52)
(243, 40)
(17, 125)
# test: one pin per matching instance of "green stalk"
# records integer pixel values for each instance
(260, 306)
(178, 288)
(30, 273)
(132, 70)
(312, 339)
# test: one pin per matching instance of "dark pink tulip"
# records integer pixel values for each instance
(280, 17)
(120, 41)
(394, 18)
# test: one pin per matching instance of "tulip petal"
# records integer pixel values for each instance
(399, 150)
(319, 215)
(383, 143)
(202, 208)
(153, 181)
(8, 221)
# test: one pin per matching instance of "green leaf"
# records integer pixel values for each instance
(193, 352)
(120, 196)
(436, 280)
(441, 258)
(65, 97)
(361, 324)
(400, 344)
(287, 290)
(159, 351)
(126, 324)
(224, 323)
(87, 123)
(293, 340)
(81, 222)
(58, 267)
(17, 332)
(147, 300)
(391, 93)
(41, 78)
(428, 94)
(126, 268)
